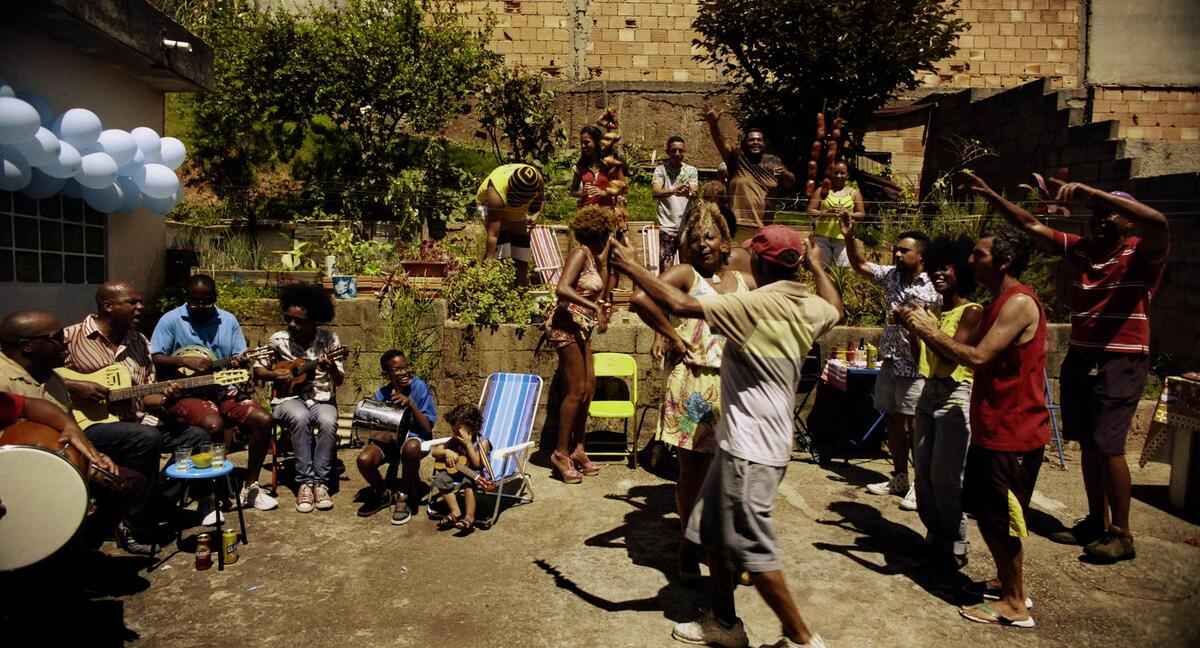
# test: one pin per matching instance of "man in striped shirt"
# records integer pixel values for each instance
(1115, 275)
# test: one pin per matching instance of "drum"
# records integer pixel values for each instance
(44, 487)
(376, 415)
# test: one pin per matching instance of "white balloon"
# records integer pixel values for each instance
(156, 181)
(119, 144)
(19, 121)
(105, 200)
(132, 195)
(43, 186)
(41, 149)
(160, 206)
(97, 170)
(148, 142)
(173, 152)
(78, 126)
(72, 189)
(43, 106)
(15, 172)
(68, 162)
(131, 167)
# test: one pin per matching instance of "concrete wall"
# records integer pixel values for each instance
(69, 79)
(1144, 43)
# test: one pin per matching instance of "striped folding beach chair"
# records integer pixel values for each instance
(509, 404)
(650, 248)
(547, 257)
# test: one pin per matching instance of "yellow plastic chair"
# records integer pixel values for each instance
(617, 365)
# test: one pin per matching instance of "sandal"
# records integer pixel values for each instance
(586, 466)
(464, 523)
(983, 613)
(565, 469)
(448, 522)
(989, 592)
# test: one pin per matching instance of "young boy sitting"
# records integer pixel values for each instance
(464, 450)
(410, 394)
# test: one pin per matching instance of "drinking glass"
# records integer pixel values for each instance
(183, 458)
(204, 453)
(218, 455)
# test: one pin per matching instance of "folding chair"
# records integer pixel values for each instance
(652, 249)
(509, 404)
(616, 365)
(1055, 412)
(547, 257)
(810, 375)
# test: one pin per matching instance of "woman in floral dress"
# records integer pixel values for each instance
(691, 400)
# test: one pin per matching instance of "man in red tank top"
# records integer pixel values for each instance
(1114, 276)
(1009, 420)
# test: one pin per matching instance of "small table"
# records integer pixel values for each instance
(839, 374)
(212, 474)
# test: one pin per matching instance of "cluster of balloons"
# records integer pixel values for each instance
(112, 170)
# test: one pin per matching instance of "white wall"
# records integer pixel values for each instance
(33, 62)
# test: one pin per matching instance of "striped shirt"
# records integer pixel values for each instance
(90, 350)
(896, 342)
(1110, 296)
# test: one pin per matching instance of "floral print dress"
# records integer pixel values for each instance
(692, 398)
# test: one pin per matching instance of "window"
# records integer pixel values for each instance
(58, 240)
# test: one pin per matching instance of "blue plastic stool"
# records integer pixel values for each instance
(212, 474)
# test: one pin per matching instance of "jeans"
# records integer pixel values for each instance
(314, 454)
(940, 443)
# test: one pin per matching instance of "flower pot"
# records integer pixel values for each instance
(345, 286)
(425, 268)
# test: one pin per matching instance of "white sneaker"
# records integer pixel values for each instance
(909, 503)
(253, 495)
(707, 631)
(897, 485)
(784, 642)
(324, 501)
(211, 518)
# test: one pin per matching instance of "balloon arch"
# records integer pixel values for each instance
(112, 170)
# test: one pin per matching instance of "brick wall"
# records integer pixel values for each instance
(1154, 114)
(904, 138)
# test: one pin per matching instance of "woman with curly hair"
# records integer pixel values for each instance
(692, 398)
(305, 307)
(591, 183)
(569, 331)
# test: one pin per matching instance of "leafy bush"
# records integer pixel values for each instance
(517, 106)
(482, 294)
(354, 255)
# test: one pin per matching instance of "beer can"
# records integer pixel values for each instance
(229, 541)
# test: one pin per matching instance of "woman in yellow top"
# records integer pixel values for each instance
(827, 212)
(508, 199)
(943, 430)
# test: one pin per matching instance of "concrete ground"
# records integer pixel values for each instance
(593, 565)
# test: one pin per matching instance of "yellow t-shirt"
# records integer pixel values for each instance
(933, 365)
(828, 226)
(498, 179)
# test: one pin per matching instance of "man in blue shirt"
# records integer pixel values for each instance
(220, 410)
(411, 396)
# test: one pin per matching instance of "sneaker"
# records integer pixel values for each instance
(212, 517)
(1086, 531)
(128, 544)
(324, 501)
(305, 498)
(373, 502)
(401, 514)
(708, 631)
(815, 642)
(909, 503)
(897, 485)
(253, 495)
(1112, 548)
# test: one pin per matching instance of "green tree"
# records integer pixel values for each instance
(790, 59)
(518, 107)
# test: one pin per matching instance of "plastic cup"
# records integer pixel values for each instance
(218, 455)
(183, 459)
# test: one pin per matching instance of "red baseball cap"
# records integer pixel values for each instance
(779, 244)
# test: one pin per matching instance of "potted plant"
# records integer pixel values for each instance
(359, 265)
(428, 260)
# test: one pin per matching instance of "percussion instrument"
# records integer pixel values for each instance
(44, 486)
(301, 370)
(120, 386)
(377, 415)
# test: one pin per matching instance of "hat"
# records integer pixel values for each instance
(524, 182)
(779, 244)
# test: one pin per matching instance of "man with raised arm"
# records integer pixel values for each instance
(1115, 274)
(769, 331)
(754, 175)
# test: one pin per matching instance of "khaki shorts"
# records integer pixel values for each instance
(897, 394)
(733, 512)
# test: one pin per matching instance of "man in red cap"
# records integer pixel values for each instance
(769, 331)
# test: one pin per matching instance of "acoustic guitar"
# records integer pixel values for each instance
(121, 388)
(460, 466)
(301, 372)
(245, 358)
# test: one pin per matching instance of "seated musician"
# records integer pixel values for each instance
(465, 423)
(222, 411)
(34, 344)
(313, 404)
(412, 398)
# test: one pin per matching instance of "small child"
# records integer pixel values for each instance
(465, 422)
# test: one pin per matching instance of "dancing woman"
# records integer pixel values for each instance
(692, 398)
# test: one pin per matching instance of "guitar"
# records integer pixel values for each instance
(460, 466)
(121, 388)
(301, 370)
(244, 358)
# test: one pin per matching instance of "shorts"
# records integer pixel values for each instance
(1100, 393)
(511, 244)
(897, 394)
(444, 483)
(833, 250)
(733, 512)
(233, 411)
(390, 445)
(997, 488)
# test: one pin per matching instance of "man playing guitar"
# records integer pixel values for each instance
(222, 411)
(314, 403)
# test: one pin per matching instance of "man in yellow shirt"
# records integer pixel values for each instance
(508, 199)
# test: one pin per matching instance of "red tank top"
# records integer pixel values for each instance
(1008, 398)
(600, 179)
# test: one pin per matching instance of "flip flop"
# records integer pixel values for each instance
(983, 613)
(982, 590)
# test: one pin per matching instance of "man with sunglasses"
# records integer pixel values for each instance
(222, 411)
